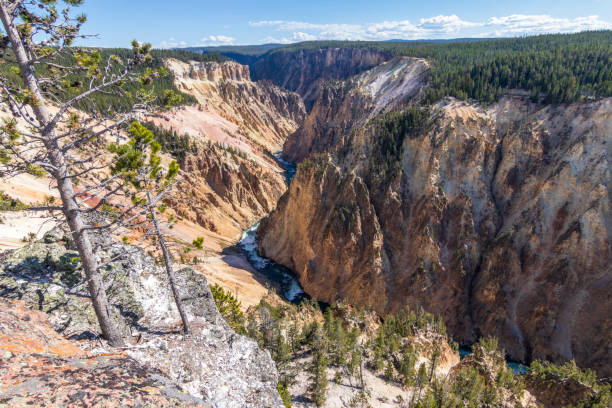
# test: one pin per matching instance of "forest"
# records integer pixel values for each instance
(554, 68)
(114, 101)
(341, 346)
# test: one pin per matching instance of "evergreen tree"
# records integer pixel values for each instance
(389, 370)
(229, 307)
(138, 163)
(406, 367)
(294, 337)
(318, 371)
(43, 66)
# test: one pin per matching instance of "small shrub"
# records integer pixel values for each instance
(284, 394)
(10, 204)
(229, 307)
(29, 238)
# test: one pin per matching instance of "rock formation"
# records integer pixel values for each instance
(232, 106)
(233, 179)
(344, 105)
(214, 364)
(37, 364)
(303, 71)
(497, 218)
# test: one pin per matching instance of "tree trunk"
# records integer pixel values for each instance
(61, 174)
(169, 271)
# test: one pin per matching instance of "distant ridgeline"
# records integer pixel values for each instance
(555, 68)
(75, 84)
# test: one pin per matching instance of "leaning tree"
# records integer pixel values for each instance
(147, 182)
(49, 83)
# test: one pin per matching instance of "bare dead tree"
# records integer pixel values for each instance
(49, 78)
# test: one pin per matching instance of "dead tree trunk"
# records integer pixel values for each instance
(61, 173)
(169, 270)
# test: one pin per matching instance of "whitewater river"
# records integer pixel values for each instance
(290, 288)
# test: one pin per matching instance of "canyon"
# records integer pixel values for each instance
(304, 71)
(233, 179)
(496, 218)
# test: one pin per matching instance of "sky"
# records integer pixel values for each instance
(183, 23)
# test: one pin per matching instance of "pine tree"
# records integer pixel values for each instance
(435, 355)
(294, 337)
(421, 379)
(389, 370)
(229, 307)
(318, 371)
(138, 163)
(34, 73)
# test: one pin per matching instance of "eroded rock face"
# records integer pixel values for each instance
(233, 179)
(498, 219)
(213, 364)
(304, 71)
(231, 106)
(227, 192)
(345, 105)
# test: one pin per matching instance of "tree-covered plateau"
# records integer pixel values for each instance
(554, 68)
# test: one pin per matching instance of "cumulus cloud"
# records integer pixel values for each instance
(210, 40)
(517, 24)
(172, 43)
(445, 24)
(217, 40)
(430, 28)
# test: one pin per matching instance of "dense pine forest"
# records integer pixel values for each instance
(556, 68)
(74, 84)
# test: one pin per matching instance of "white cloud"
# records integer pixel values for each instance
(300, 36)
(517, 24)
(437, 27)
(445, 24)
(172, 43)
(275, 40)
(430, 28)
(217, 40)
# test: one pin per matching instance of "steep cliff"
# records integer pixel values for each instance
(233, 179)
(304, 70)
(344, 105)
(260, 112)
(496, 218)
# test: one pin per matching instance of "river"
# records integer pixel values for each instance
(290, 288)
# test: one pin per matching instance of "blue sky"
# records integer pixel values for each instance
(182, 23)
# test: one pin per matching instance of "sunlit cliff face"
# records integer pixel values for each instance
(497, 220)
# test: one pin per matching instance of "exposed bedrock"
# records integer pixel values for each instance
(497, 218)
(304, 71)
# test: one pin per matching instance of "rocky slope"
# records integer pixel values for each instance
(496, 218)
(37, 364)
(233, 106)
(303, 71)
(213, 365)
(344, 105)
(233, 179)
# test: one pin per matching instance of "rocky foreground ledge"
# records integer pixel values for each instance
(213, 367)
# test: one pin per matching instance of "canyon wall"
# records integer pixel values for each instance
(232, 179)
(496, 218)
(303, 71)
